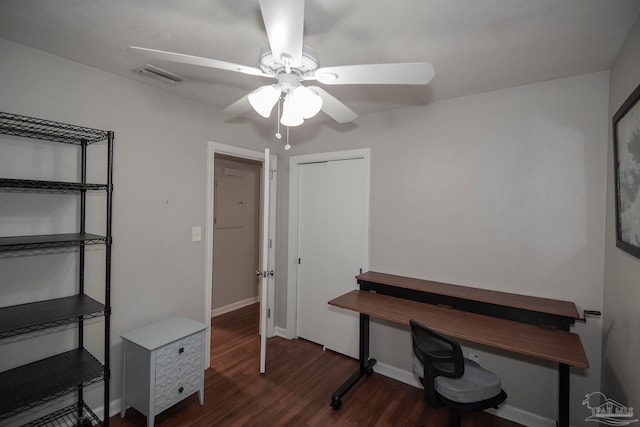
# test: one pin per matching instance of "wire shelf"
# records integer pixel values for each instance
(70, 416)
(34, 316)
(48, 241)
(46, 186)
(30, 385)
(31, 127)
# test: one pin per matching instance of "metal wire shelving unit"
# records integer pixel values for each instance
(33, 384)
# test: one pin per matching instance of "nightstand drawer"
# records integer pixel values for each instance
(178, 371)
(178, 355)
(171, 392)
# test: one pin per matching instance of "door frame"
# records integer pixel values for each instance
(292, 263)
(214, 148)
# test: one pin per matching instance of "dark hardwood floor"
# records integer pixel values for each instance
(295, 391)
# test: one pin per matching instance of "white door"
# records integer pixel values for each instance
(312, 201)
(267, 258)
(332, 227)
(346, 249)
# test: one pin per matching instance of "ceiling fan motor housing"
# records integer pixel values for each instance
(269, 64)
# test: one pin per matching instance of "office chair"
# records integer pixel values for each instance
(448, 378)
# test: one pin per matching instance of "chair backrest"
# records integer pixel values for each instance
(438, 354)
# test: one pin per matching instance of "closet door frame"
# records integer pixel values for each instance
(294, 171)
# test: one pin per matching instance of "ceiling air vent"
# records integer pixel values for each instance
(160, 74)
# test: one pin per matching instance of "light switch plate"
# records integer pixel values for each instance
(196, 234)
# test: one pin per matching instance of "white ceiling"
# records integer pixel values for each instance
(474, 45)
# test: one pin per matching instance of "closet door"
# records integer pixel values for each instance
(312, 244)
(331, 246)
(345, 250)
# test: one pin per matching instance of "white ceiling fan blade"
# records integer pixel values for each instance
(333, 107)
(284, 22)
(417, 73)
(241, 106)
(196, 60)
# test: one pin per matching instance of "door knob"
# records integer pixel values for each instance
(265, 274)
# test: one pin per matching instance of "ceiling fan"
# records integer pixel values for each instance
(290, 62)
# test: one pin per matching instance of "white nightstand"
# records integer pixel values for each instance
(163, 363)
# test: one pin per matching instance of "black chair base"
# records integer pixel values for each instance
(455, 408)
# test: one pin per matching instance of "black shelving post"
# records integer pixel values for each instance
(83, 222)
(107, 284)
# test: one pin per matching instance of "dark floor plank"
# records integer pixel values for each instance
(295, 391)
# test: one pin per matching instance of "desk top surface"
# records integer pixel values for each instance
(544, 343)
(542, 305)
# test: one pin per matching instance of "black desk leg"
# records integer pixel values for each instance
(563, 396)
(365, 368)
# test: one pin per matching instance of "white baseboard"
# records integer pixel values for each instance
(114, 409)
(505, 411)
(521, 416)
(233, 306)
(396, 374)
(281, 332)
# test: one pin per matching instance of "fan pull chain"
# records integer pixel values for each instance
(287, 147)
(278, 135)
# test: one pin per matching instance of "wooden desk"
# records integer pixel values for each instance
(521, 308)
(392, 303)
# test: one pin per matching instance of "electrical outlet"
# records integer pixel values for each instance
(475, 357)
(196, 234)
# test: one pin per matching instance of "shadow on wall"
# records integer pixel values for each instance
(611, 385)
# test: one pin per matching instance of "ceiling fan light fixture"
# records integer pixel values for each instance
(263, 99)
(290, 114)
(307, 102)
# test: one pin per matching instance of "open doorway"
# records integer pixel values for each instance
(230, 174)
(236, 233)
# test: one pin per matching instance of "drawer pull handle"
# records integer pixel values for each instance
(181, 350)
(181, 389)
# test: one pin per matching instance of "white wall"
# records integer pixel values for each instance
(503, 190)
(159, 190)
(621, 333)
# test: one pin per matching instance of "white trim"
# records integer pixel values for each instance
(233, 306)
(208, 250)
(282, 333)
(397, 374)
(361, 153)
(115, 407)
(212, 149)
(521, 416)
(294, 171)
(505, 411)
(237, 151)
